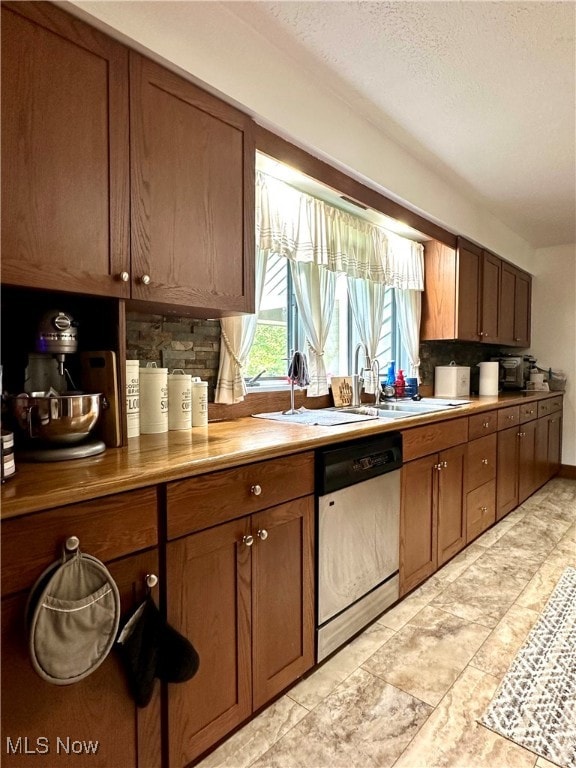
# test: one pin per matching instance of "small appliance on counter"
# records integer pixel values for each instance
(452, 380)
(51, 421)
(514, 370)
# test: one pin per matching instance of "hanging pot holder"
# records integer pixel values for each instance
(73, 614)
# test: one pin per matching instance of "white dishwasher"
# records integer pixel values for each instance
(358, 519)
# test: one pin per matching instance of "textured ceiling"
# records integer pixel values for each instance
(482, 92)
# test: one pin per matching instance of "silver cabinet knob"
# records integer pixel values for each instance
(486, 424)
(484, 509)
(262, 534)
(510, 418)
(444, 464)
(124, 277)
(484, 461)
(256, 490)
(151, 580)
(145, 279)
(248, 540)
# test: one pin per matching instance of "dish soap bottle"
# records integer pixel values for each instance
(400, 384)
(391, 376)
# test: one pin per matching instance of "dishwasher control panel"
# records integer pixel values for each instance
(355, 461)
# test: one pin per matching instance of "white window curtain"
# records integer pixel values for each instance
(368, 302)
(314, 289)
(311, 232)
(236, 339)
(409, 312)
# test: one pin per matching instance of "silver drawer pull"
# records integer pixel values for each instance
(484, 461)
(486, 424)
(256, 490)
(483, 509)
(262, 534)
(248, 540)
(510, 418)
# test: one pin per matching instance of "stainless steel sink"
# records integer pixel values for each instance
(400, 410)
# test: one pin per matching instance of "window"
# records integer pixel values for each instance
(278, 330)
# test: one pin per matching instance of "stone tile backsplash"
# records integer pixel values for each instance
(194, 345)
(433, 353)
(175, 342)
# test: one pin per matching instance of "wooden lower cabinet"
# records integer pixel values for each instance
(92, 722)
(243, 592)
(480, 485)
(432, 522)
(528, 480)
(507, 471)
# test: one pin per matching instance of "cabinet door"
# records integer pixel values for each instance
(522, 305)
(480, 509)
(554, 444)
(507, 472)
(527, 475)
(192, 191)
(100, 708)
(64, 153)
(468, 297)
(418, 522)
(451, 507)
(507, 304)
(490, 306)
(282, 597)
(208, 601)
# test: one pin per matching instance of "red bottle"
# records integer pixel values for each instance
(400, 384)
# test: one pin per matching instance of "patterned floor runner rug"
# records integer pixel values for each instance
(535, 705)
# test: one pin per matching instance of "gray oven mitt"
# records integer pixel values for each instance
(72, 615)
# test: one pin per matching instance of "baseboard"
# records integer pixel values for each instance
(567, 471)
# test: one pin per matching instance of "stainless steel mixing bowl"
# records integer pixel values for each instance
(61, 420)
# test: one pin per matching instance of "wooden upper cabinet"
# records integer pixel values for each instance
(192, 193)
(515, 302)
(490, 298)
(469, 270)
(461, 294)
(64, 153)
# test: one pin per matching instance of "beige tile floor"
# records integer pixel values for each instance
(408, 691)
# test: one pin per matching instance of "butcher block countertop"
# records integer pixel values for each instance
(152, 459)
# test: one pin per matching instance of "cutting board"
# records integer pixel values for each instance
(100, 374)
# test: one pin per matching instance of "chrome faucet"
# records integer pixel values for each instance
(376, 377)
(357, 379)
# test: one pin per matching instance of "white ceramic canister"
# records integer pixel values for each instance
(179, 400)
(153, 399)
(199, 402)
(133, 397)
(8, 465)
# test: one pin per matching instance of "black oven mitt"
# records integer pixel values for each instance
(151, 648)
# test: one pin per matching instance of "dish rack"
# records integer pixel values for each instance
(556, 379)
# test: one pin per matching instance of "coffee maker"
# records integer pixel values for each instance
(514, 370)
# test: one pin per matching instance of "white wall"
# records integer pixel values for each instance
(554, 327)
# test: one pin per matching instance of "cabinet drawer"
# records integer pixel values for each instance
(508, 417)
(482, 424)
(207, 500)
(108, 528)
(480, 510)
(422, 441)
(481, 466)
(528, 411)
(553, 405)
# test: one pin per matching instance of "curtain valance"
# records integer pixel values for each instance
(305, 229)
